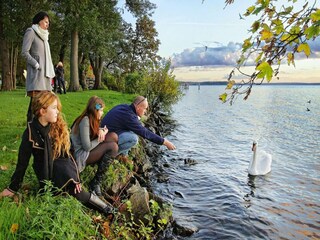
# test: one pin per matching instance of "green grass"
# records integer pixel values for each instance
(14, 106)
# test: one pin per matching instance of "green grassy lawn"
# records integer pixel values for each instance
(13, 111)
(14, 106)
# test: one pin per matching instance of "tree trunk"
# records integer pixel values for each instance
(82, 72)
(6, 74)
(98, 73)
(74, 73)
(14, 65)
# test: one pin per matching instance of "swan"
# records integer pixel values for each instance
(260, 164)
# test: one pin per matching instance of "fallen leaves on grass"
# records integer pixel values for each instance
(14, 228)
(3, 168)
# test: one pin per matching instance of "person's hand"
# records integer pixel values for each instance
(102, 134)
(78, 188)
(37, 67)
(6, 193)
(169, 144)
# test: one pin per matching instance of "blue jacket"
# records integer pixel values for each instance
(123, 118)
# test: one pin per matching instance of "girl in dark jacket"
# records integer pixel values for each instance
(59, 79)
(47, 139)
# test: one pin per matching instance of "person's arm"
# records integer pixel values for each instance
(133, 124)
(28, 39)
(84, 131)
(25, 151)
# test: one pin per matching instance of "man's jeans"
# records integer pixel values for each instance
(126, 141)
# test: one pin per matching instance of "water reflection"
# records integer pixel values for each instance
(252, 188)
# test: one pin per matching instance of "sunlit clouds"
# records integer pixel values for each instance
(224, 55)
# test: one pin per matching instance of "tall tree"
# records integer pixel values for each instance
(281, 31)
(140, 45)
(144, 44)
(76, 17)
(102, 37)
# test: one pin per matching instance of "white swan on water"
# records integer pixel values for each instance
(260, 164)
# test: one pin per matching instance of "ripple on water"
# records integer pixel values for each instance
(218, 196)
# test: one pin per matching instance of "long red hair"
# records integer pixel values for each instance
(59, 132)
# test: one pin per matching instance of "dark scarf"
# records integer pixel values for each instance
(41, 135)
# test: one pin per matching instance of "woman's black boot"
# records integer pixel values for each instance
(97, 180)
(101, 206)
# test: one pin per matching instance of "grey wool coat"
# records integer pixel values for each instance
(33, 50)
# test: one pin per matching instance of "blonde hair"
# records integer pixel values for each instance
(91, 111)
(59, 132)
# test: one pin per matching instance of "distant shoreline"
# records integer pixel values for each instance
(225, 83)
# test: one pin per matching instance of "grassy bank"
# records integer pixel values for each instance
(30, 217)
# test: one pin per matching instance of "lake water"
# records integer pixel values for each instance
(216, 196)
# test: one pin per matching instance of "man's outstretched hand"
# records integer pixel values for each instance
(169, 144)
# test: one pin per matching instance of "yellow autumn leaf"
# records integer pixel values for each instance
(14, 228)
(305, 48)
(266, 34)
(290, 58)
(230, 84)
(249, 10)
(246, 44)
(223, 97)
(3, 168)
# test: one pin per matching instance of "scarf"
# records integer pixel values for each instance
(41, 133)
(44, 35)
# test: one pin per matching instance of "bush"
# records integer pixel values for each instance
(160, 87)
(113, 82)
(133, 82)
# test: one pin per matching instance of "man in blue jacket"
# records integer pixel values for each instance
(124, 120)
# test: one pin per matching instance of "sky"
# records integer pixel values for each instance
(203, 39)
(190, 24)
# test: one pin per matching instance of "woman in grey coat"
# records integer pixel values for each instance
(36, 51)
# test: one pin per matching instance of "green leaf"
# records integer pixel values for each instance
(312, 31)
(246, 44)
(305, 48)
(315, 16)
(255, 26)
(295, 30)
(278, 26)
(259, 57)
(223, 97)
(241, 60)
(288, 10)
(265, 71)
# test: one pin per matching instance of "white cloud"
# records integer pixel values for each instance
(224, 55)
